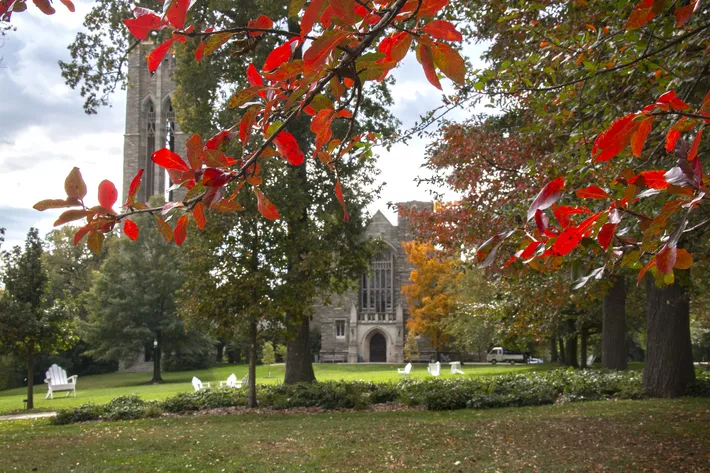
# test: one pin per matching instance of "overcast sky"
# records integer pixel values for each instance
(44, 131)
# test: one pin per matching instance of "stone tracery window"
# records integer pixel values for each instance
(376, 290)
(149, 148)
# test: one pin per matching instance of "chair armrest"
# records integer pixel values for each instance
(72, 379)
(47, 380)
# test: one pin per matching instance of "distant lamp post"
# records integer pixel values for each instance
(155, 344)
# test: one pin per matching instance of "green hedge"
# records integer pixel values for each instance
(435, 394)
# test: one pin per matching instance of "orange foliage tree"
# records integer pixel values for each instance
(431, 292)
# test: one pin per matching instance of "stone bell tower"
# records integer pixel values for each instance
(150, 122)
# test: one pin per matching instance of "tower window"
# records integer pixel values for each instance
(149, 149)
(376, 293)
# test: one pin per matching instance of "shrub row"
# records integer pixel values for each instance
(435, 394)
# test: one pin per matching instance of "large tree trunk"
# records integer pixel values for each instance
(571, 355)
(669, 358)
(583, 337)
(251, 396)
(157, 379)
(614, 348)
(299, 366)
(220, 352)
(30, 378)
(553, 350)
(563, 357)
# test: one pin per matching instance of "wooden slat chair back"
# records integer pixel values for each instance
(199, 385)
(407, 369)
(434, 369)
(57, 381)
(231, 382)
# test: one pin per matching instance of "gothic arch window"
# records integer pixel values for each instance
(376, 290)
(169, 134)
(150, 120)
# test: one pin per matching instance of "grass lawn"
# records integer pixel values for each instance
(630, 436)
(102, 388)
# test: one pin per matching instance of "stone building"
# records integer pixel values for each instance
(368, 323)
(365, 324)
(150, 122)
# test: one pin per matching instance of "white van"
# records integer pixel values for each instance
(500, 355)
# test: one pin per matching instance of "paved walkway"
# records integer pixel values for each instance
(38, 415)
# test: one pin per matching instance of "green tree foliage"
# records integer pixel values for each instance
(29, 323)
(132, 302)
(268, 356)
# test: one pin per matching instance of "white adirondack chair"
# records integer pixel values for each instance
(407, 369)
(434, 369)
(57, 381)
(456, 367)
(231, 382)
(199, 385)
(591, 359)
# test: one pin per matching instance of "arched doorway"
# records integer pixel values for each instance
(378, 348)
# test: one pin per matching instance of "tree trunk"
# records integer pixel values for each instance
(553, 350)
(251, 396)
(157, 379)
(614, 348)
(299, 366)
(571, 356)
(583, 336)
(30, 378)
(220, 352)
(669, 358)
(563, 357)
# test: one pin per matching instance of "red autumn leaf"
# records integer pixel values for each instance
(193, 149)
(164, 229)
(156, 55)
(671, 139)
(133, 188)
(169, 160)
(638, 139)
(426, 58)
(246, 124)
(45, 6)
(71, 215)
(640, 15)
(450, 62)
(288, 148)
(177, 12)
(321, 126)
(567, 241)
(200, 52)
(310, 16)
(262, 22)
(442, 29)
(345, 9)
(542, 221)
(592, 192)
(683, 259)
(107, 194)
(320, 49)
(614, 139)
(81, 232)
(653, 179)
(198, 213)
(563, 212)
(266, 208)
(341, 199)
(606, 235)
(69, 5)
(217, 140)
(683, 14)
(253, 76)
(670, 101)
(693, 153)
(95, 241)
(530, 250)
(215, 178)
(277, 57)
(181, 230)
(645, 269)
(549, 194)
(666, 258)
(130, 229)
(144, 22)
(225, 206)
(486, 253)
